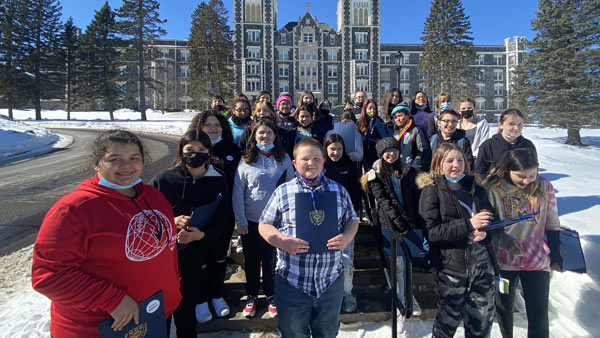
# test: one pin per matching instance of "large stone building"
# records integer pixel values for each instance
(334, 63)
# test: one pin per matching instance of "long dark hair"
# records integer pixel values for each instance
(364, 119)
(252, 151)
(516, 160)
(413, 108)
(189, 137)
(200, 119)
(386, 108)
(333, 138)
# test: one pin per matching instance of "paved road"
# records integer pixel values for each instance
(30, 187)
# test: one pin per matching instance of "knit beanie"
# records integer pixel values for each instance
(282, 98)
(401, 106)
(386, 144)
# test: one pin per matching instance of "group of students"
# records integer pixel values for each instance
(115, 241)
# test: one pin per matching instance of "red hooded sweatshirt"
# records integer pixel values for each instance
(95, 246)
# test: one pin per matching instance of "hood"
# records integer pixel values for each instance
(424, 179)
(91, 186)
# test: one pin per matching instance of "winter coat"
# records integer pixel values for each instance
(447, 224)
(292, 138)
(226, 157)
(97, 245)
(370, 138)
(491, 151)
(396, 216)
(414, 147)
(346, 173)
(458, 137)
(185, 193)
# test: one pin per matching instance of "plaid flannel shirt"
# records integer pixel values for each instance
(311, 273)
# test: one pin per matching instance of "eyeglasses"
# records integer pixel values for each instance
(449, 121)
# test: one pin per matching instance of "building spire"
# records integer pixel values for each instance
(307, 6)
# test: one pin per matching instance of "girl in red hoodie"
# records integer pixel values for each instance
(107, 245)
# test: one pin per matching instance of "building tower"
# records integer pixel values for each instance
(254, 24)
(514, 56)
(358, 24)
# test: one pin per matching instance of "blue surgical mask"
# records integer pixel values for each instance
(106, 183)
(217, 140)
(267, 148)
(445, 106)
(455, 180)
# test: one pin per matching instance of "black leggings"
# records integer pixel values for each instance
(536, 286)
(257, 251)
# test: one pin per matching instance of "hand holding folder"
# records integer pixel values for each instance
(507, 222)
(152, 323)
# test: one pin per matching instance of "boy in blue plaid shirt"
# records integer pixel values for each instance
(309, 288)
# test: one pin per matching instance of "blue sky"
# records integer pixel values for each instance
(401, 20)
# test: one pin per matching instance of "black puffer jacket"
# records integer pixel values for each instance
(226, 157)
(391, 214)
(448, 225)
(491, 150)
(346, 173)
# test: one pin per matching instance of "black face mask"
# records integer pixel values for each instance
(467, 113)
(240, 121)
(220, 107)
(325, 112)
(195, 159)
(359, 104)
(311, 107)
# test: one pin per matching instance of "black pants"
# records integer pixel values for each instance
(536, 286)
(193, 279)
(216, 266)
(256, 252)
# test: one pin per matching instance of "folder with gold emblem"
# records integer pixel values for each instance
(152, 323)
(316, 219)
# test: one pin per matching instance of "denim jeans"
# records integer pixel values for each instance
(400, 266)
(301, 315)
(348, 262)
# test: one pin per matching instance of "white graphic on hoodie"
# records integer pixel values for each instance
(147, 236)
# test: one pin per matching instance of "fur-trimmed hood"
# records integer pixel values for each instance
(370, 175)
(424, 179)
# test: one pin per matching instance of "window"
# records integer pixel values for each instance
(406, 59)
(302, 86)
(480, 103)
(332, 55)
(252, 68)
(313, 54)
(302, 71)
(481, 74)
(185, 55)
(498, 60)
(253, 35)
(480, 89)
(284, 86)
(283, 38)
(253, 52)
(404, 88)
(252, 85)
(307, 37)
(498, 89)
(362, 69)
(385, 59)
(499, 104)
(360, 37)
(284, 70)
(384, 88)
(480, 60)
(332, 39)
(302, 53)
(362, 84)
(185, 72)
(284, 54)
(385, 74)
(185, 87)
(360, 54)
(332, 87)
(498, 75)
(421, 77)
(314, 86)
(404, 74)
(122, 70)
(331, 71)
(314, 71)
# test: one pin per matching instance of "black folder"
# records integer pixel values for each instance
(571, 252)
(316, 226)
(507, 222)
(201, 217)
(152, 323)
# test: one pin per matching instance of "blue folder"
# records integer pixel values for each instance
(507, 222)
(316, 226)
(201, 217)
(152, 323)
(346, 131)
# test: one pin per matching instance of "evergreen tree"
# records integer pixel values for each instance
(141, 23)
(41, 22)
(97, 60)
(448, 50)
(211, 52)
(561, 77)
(70, 44)
(12, 78)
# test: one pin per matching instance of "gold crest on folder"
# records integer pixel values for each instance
(138, 331)
(317, 217)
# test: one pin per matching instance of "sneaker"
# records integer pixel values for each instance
(349, 304)
(220, 306)
(416, 312)
(239, 247)
(250, 308)
(203, 314)
(271, 308)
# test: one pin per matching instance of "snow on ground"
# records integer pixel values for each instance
(574, 298)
